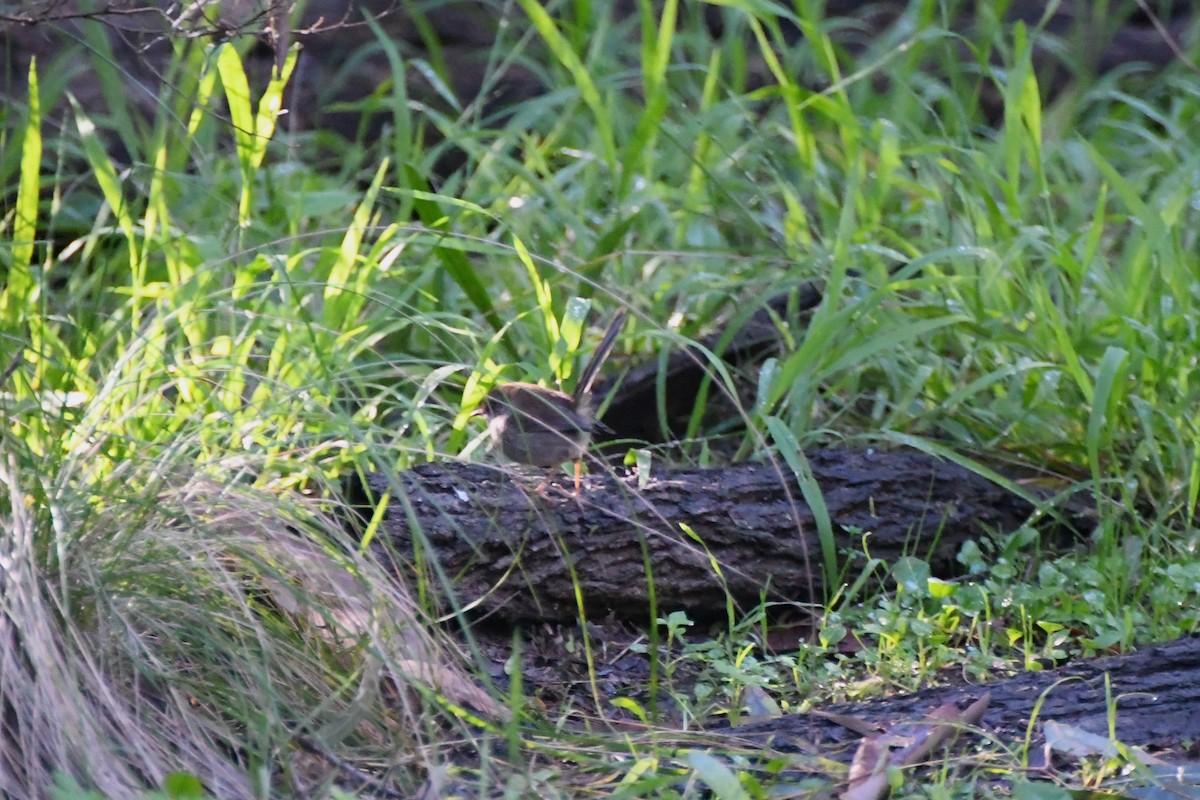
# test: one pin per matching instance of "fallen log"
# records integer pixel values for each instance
(692, 538)
(1154, 693)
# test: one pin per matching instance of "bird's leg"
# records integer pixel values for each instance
(549, 479)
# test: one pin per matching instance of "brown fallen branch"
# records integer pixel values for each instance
(906, 747)
(512, 552)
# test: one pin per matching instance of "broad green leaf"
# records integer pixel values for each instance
(716, 775)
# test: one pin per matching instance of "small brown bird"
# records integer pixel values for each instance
(543, 427)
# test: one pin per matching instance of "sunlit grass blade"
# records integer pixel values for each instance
(200, 111)
(1150, 236)
(106, 178)
(793, 98)
(241, 114)
(574, 318)
(544, 299)
(1022, 140)
(252, 129)
(18, 291)
(344, 298)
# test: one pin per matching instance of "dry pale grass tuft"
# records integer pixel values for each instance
(217, 630)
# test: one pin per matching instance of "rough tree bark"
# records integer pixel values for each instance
(1155, 691)
(521, 555)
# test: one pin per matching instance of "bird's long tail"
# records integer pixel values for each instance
(588, 377)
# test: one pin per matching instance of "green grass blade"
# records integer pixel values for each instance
(541, 290)
(656, 55)
(1193, 489)
(588, 91)
(343, 303)
(1109, 393)
(403, 145)
(1149, 220)
(1022, 119)
(113, 81)
(200, 111)
(455, 262)
(269, 106)
(794, 98)
(237, 96)
(792, 453)
(241, 116)
(110, 187)
(252, 130)
(933, 448)
(18, 293)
